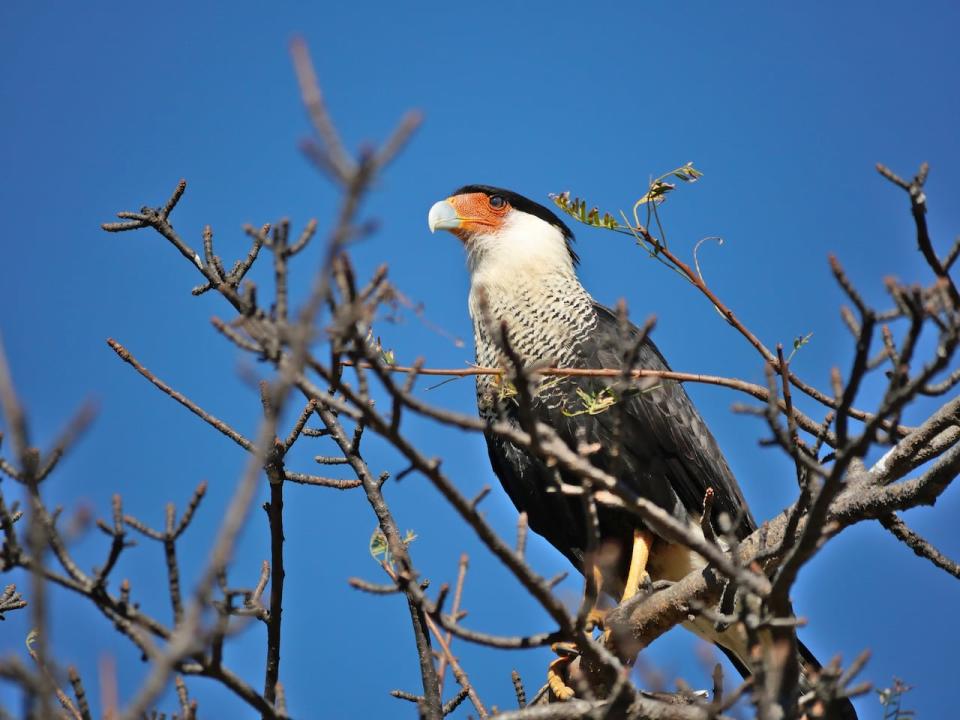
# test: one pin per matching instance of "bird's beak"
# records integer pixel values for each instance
(443, 216)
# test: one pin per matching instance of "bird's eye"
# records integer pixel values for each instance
(497, 201)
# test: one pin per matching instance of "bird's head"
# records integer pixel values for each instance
(499, 227)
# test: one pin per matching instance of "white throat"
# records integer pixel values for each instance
(523, 243)
(516, 264)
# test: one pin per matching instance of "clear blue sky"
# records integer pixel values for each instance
(785, 107)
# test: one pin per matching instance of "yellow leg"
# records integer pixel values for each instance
(642, 542)
(639, 557)
(597, 614)
(598, 579)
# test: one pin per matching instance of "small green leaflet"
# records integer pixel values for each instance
(798, 342)
(656, 193)
(577, 209)
(593, 403)
(660, 187)
(387, 356)
(380, 550)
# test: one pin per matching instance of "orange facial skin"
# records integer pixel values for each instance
(476, 214)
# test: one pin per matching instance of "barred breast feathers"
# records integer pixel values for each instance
(548, 317)
(531, 285)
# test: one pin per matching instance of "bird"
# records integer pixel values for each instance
(528, 306)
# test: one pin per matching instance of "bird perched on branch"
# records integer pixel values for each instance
(530, 311)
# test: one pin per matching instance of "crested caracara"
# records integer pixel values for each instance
(650, 437)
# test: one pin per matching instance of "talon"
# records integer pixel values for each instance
(557, 669)
(558, 686)
(565, 649)
(596, 618)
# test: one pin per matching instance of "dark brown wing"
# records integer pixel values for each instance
(668, 453)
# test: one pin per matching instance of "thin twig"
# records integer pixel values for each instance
(214, 422)
(919, 546)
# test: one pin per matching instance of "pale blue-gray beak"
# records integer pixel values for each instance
(443, 216)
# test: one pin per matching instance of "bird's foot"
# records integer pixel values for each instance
(596, 618)
(638, 581)
(557, 670)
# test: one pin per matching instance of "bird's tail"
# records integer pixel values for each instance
(840, 708)
(733, 643)
(810, 668)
